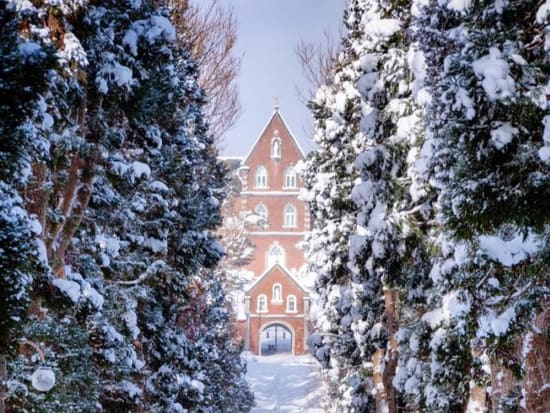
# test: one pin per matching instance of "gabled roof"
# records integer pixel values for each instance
(267, 272)
(292, 137)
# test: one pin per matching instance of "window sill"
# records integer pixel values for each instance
(292, 312)
(278, 302)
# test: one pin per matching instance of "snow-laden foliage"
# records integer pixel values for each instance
(24, 66)
(389, 256)
(132, 316)
(486, 69)
(329, 177)
(440, 287)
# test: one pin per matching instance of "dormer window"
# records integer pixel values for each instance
(290, 177)
(261, 177)
(276, 146)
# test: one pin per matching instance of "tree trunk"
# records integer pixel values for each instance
(377, 376)
(391, 299)
(3, 382)
(502, 378)
(537, 364)
(75, 215)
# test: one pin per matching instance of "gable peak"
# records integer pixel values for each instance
(275, 114)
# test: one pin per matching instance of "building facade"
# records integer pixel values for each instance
(276, 306)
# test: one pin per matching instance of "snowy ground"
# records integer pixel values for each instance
(285, 383)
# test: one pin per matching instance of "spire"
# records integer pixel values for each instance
(276, 107)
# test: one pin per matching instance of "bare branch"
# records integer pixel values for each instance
(209, 29)
(317, 61)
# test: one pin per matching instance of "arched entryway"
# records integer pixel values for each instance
(276, 338)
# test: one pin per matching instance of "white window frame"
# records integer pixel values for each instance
(290, 216)
(274, 299)
(258, 306)
(270, 261)
(290, 175)
(291, 297)
(261, 178)
(264, 215)
(276, 143)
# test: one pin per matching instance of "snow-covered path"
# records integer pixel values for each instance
(285, 383)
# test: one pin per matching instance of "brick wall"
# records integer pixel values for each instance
(275, 197)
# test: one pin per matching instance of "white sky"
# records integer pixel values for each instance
(269, 31)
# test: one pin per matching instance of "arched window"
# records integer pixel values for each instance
(261, 177)
(275, 255)
(291, 304)
(276, 146)
(290, 177)
(277, 293)
(261, 211)
(262, 304)
(290, 216)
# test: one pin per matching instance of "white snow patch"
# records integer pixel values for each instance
(503, 134)
(512, 251)
(95, 298)
(543, 11)
(198, 385)
(35, 226)
(544, 154)
(69, 288)
(285, 383)
(382, 27)
(156, 245)
(29, 48)
(73, 50)
(454, 304)
(130, 39)
(130, 388)
(459, 5)
(141, 169)
(500, 324)
(42, 252)
(494, 71)
(110, 244)
(158, 186)
(130, 318)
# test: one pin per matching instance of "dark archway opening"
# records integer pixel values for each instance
(276, 339)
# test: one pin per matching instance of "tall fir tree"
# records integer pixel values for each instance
(24, 67)
(487, 73)
(126, 195)
(329, 176)
(388, 251)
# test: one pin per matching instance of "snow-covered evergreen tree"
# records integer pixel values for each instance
(329, 176)
(486, 69)
(388, 253)
(127, 195)
(24, 66)
(467, 288)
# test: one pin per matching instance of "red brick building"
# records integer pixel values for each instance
(276, 306)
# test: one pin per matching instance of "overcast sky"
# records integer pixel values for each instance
(269, 31)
